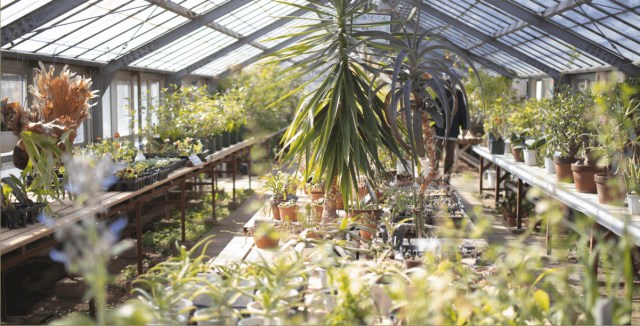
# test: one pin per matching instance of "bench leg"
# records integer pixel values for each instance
(548, 237)
(183, 208)
(249, 161)
(213, 192)
(519, 196)
(139, 236)
(497, 191)
(235, 167)
(481, 171)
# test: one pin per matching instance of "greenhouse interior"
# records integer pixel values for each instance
(320, 162)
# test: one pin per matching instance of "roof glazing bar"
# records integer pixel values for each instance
(487, 39)
(187, 13)
(173, 35)
(473, 57)
(236, 45)
(623, 64)
(37, 18)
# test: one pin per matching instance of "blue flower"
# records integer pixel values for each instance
(45, 220)
(58, 256)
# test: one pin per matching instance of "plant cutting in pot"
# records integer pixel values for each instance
(288, 211)
(265, 235)
(531, 148)
(368, 223)
(632, 180)
(617, 122)
(517, 146)
(495, 125)
(275, 184)
(316, 190)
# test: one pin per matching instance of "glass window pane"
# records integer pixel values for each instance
(123, 97)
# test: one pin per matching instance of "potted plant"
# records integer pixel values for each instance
(130, 179)
(316, 190)
(564, 124)
(10, 125)
(517, 141)
(531, 149)
(288, 211)
(318, 206)
(265, 235)
(367, 225)
(617, 122)
(278, 185)
(495, 125)
(632, 180)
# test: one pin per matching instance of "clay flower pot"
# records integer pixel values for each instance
(517, 154)
(366, 234)
(563, 168)
(274, 208)
(583, 177)
(611, 189)
(289, 213)
(316, 195)
(266, 242)
(318, 209)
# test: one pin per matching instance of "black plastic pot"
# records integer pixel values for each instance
(496, 146)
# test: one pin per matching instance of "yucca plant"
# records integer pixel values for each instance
(339, 126)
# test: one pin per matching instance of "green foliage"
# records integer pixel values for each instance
(119, 150)
(193, 112)
(567, 118)
(258, 87)
(338, 127)
(491, 87)
(616, 128)
(45, 155)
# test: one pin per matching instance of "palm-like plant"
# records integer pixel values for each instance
(336, 128)
(339, 126)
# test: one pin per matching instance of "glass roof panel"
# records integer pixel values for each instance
(186, 50)
(288, 28)
(255, 15)
(219, 66)
(12, 10)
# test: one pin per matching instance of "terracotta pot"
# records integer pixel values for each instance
(366, 234)
(275, 211)
(611, 189)
(375, 213)
(583, 177)
(517, 154)
(265, 242)
(362, 191)
(318, 209)
(563, 168)
(316, 195)
(512, 221)
(339, 202)
(289, 213)
(312, 235)
(411, 263)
